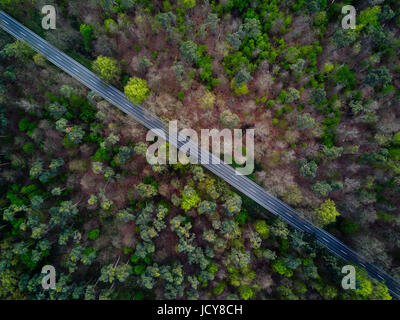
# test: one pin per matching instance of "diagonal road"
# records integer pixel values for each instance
(219, 168)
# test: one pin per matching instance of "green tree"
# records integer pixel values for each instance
(166, 19)
(262, 228)
(228, 119)
(141, 148)
(322, 188)
(318, 96)
(246, 292)
(87, 32)
(305, 121)
(255, 240)
(136, 90)
(111, 26)
(345, 76)
(280, 267)
(107, 68)
(189, 51)
(233, 205)
(146, 190)
(240, 258)
(292, 95)
(190, 198)
(61, 214)
(93, 234)
(326, 213)
(348, 226)
(251, 28)
(186, 4)
(75, 134)
(307, 169)
(208, 207)
(380, 76)
(332, 153)
(344, 37)
(269, 254)
(68, 91)
(242, 77)
(18, 49)
(110, 273)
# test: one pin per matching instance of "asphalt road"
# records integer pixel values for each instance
(223, 170)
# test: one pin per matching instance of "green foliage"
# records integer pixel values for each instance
(139, 269)
(219, 288)
(322, 188)
(181, 95)
(279, 267)
(240, 258)
(25, 125)
(305, 121)
(246, 292)
(368, 17)
(239, 90)
(307, 169)
(344, 37)
(102, 155)
(348, 226)
(75, 134)
(326, 213)
(228, 119)
(166, 19)
(93, 234)
(189, 51)
(346, 77)
(146, 190)
(18, 49)
(255, 240)
(56, 110)
(186, 4)
(233, 205)
(204, 64)
(207, 207)
(29, 148)
(107, 68)
(262, 228)
(61, 215)
(87, 33)
(332, 153)
(243, 76)
(110, 273)
(269, 254)
(190, 198)
(110, 26)
(396, 139)
(380, 76)
(318, 96)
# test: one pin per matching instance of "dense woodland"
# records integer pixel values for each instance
(77, 192)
